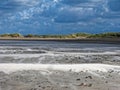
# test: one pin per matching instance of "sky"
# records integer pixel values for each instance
(59, 16)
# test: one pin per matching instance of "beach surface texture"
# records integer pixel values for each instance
(52, 65)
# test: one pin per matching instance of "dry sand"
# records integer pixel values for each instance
(59, 77)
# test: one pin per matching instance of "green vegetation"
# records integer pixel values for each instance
(105, 35)
(76, 35)
(11, 35)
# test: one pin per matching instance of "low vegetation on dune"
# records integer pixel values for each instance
(76, 35)
(11, 35)
(105, 35)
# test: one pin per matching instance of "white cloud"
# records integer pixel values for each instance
(25, 15)
(56, 0)
(83, 14)
(29, 2)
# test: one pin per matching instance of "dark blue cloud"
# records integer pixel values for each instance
(114, 5)
(8, 6)
(73, 15)
(74, 2)
(59, 16)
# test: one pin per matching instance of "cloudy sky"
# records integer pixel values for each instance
(59, 16)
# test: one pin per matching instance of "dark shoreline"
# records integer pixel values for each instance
(82, 40)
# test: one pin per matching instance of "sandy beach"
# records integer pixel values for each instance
(52, 65)
(74, 40)
(59, 77)
(59, 44)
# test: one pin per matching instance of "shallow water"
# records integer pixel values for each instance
(52, 52)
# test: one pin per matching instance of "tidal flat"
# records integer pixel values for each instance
(57, 65)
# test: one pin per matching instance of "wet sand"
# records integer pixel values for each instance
(59, 66)
(73, 40)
